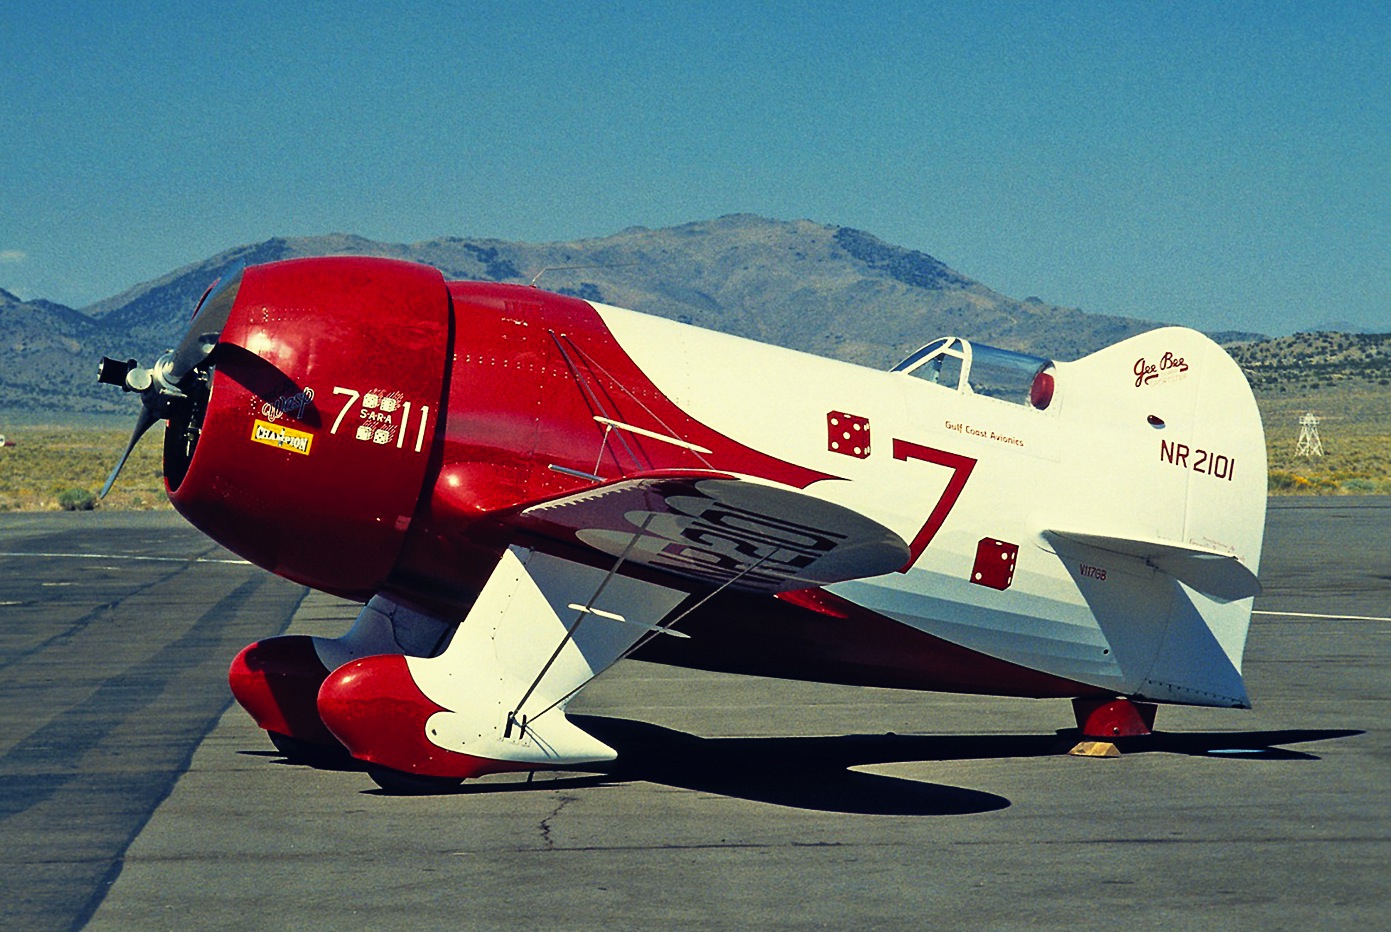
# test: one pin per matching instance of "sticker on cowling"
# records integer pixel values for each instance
(289, 405)
(281, 437)
(377, 425)
(383, 417)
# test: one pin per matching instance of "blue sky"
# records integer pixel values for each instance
(1222, 165)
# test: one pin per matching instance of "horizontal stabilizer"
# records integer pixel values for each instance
(1212, 572)
(724, 529)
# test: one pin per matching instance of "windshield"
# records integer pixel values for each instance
(983, 370)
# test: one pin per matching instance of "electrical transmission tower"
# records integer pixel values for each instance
(1309, 443)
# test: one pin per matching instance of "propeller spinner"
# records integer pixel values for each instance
(180, 379)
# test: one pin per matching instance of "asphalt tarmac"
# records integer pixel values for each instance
(132, 801)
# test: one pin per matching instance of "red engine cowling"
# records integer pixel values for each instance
(319, 430)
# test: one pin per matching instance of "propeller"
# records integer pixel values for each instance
(209, 318)
(180, 377)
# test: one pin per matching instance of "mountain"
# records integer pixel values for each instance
(1304, 361)
(830, 290)
(48, 358)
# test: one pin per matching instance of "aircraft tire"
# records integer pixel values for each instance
(400, 783)
(310, 753)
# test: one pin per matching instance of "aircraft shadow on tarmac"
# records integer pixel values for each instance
(816, 774)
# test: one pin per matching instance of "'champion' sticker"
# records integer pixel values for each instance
(281, 437)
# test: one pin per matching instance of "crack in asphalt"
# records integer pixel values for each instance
(545, 826)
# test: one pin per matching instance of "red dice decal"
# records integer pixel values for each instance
(994, 563)
(848, 434)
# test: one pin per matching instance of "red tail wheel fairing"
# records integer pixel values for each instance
(327, 384)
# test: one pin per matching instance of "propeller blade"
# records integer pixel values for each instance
(143, 423)
(208, 321)
(162, 387)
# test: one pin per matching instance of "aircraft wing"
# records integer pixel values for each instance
(721, 528)
(545, 625)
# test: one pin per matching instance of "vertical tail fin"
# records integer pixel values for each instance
(1171, 418)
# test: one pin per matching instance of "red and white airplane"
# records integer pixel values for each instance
(524, 488)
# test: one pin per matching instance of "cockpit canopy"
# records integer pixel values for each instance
(953, 362)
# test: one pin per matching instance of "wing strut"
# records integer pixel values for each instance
(584, 611)
(591, 397)
(602, 416)
(661, 627)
